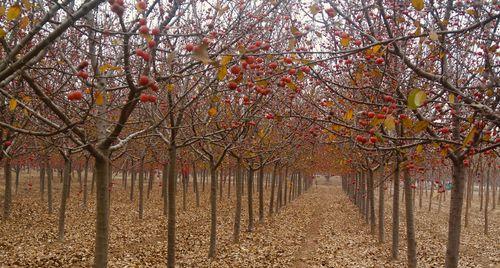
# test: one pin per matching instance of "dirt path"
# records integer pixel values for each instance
(309, 246)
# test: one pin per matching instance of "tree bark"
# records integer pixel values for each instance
(372, 202)
(172, 177)
(213, 210)
(250, 200)
(102, 211)
(195, 185)
(237, 216)
(261, 193)
(85, 179)
(7, 203)
(454, 221)
(64, 196)
(273, 186)
(487, 200)
(395, 212)
(381, 193)
(42, 179)
(410, 222)
(50, 177)
(141, 189)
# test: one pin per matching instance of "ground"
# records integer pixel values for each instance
(318, 229)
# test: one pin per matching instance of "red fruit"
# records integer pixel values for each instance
(189, 47)
(273, 65)
(118, 9)
(75, 95)
(144, 29)
(143, 80)
(444, 130)
(305, 69)
(142, 21)
(360, 138)
(287, 60)
(155, 31)
(82, 74)
(357, 42)
(259, 60)
(152, 98)
(141, 5)
(269, 116)
(292, 71)
(373, 139)
(379, 60)
(144, 98)
(7, 143)
(83, 65)
(250, 59)
(388, 98)
(235, 69)
(370, 114)
(286, 79)
(232, 85)
(330, 12)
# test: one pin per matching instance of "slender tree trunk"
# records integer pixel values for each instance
(195, 185)
(410, 223)
(141, 189)
(42, 180)
(395, 212)
(64, 196)
(487, 200)
(421, 191)
(213, 210)
(133, 176)
(50, 177)
(432, 190)
(372, 202)
(7, 202)
(454, 222)
(221, 184)
(280, 191)
(80, 182)
(102, 211)
(381, 193)
(237, 216)
(85, 179)
(261, 194)
(184, 190)
(273, 185)
(171, 189)
(468, 196)
(151, 181)
(164, 183)
(481, 191)
(92, 183)
(18, 171)
(250, 200)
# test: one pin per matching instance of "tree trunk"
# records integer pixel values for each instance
(395, 212)
(468, 198)
(42, 180)
(221, 184)
(64, 196)
(280, 191)
(164, 183)
(141, 189)
(151, 181)
(410, 223)
(7, 202)
(381, 193)
(172, 177)
(250, 200)
(261, 194)
(237, 215)
(454, 222)
(273, 185)
(487, 200)
(50, 177)
(213, 210)
(371, 197)
(85, 179)
(133, 176)
(102, 211)
(195, 185)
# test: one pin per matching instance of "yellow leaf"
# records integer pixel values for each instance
(471, 11)
(451, 98)
(376, 48)
(2, 33)
(24, 22)
(345, 41)
(420, 125)
(226, 59)
(13, 12)
(470, 136)
(12, 104)
(212, 111)
(314, 9)
(419, 148)
(2, 11)
(389, 123)
(348, 115)
(222, 72)
(433, 36)
(418, 4)
(170, 87)
(99, 98)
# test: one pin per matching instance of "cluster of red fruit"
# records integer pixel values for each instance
(81, 70)
(117, 6)
(74, 95)
(7, 143)
(145, 81)
(147, 98)
(363, 139)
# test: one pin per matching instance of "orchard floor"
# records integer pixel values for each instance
(319, 229)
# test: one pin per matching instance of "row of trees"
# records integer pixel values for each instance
(259, 82)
